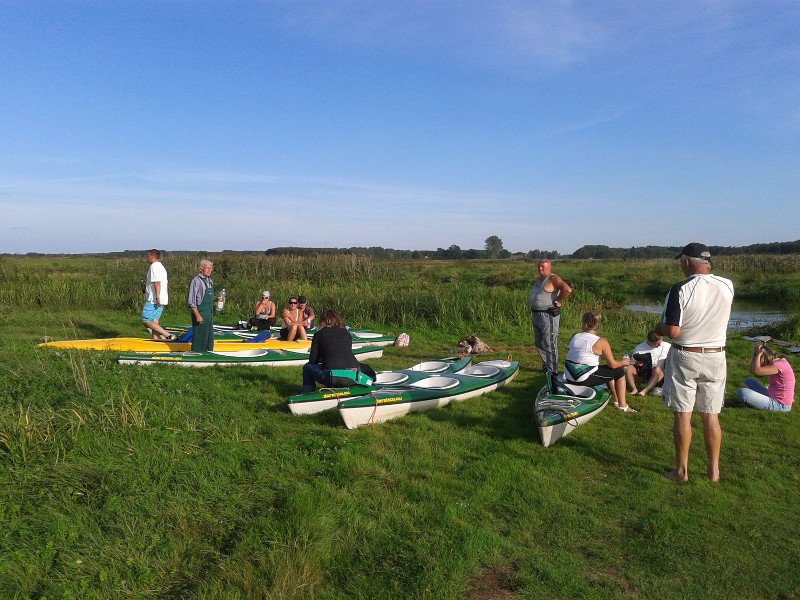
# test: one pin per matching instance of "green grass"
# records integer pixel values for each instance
(119, 481)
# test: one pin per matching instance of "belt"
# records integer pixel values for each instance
(699, 349)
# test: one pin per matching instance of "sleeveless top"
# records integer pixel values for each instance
(580, 349)
(263, 314)
(540, 298)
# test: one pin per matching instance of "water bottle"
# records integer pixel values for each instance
(221, 299)
(624, 356)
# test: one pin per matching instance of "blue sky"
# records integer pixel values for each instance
(405, 124)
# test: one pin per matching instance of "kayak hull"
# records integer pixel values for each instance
(432, 392)
(130, 344)
(559, 414)
(252, 357)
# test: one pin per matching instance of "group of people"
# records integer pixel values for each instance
(297, 316)
(690, 372)
(200, 301)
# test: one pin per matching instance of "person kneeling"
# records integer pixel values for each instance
(332, 351)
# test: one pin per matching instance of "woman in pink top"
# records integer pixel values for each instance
(779, 394)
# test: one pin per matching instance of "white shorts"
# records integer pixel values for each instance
(694, 379)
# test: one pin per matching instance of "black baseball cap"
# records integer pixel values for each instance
(695, 250)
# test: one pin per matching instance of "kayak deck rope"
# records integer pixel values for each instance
(561, 406)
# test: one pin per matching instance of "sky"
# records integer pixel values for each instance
(407, 124)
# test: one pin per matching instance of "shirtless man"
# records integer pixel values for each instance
(308, 312)
(547, 294)
(292, 322)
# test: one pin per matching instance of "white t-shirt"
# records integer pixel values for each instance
(658, 355)
(156, 272)
(700, 306)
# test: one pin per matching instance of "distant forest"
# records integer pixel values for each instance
(494, 249)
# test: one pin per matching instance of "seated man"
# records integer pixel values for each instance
(647, 364)
(308, 312)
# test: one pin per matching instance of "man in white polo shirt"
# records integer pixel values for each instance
(695, 316)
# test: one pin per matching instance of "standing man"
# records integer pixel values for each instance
(695, 316)
(156, 296)
(547, 294)
(200, 301)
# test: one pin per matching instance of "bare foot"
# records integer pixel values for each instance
(642, 393)
(674, 475)
(712, 476)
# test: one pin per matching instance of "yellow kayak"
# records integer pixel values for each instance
(129, 344)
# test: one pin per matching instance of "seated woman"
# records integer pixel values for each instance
(331, 349)
(265, 313)
(779, 394)
(292, 322)
(582, 365)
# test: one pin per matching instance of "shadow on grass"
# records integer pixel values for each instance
(91, 330)
(512, 421)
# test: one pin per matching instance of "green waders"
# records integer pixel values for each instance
(203, 333)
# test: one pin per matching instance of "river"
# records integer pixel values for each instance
(743, 314)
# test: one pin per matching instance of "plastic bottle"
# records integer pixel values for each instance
(221, 299)
(624, 356)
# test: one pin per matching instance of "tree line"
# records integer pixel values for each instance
(493, 248)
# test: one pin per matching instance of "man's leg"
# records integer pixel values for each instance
(545, 333)
(712, 435)
(157, 330)
(655, 376)
(682, 436)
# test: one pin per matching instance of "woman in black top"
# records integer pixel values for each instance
(331, 349)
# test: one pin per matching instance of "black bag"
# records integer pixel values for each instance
(646, 368)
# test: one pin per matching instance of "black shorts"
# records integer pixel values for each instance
(601, 376)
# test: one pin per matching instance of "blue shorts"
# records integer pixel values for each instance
(151, 312)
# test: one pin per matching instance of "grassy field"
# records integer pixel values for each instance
(119, 481)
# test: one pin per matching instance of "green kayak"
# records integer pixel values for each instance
(431, 392)
(227, 333)
(557, 413)
(328, 398)
(252, 357)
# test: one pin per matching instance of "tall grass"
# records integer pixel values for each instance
(396, 294)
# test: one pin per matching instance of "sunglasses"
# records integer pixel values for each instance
(292, 301)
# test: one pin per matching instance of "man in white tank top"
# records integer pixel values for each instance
(547, 294)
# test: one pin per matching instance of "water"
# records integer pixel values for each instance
(743, 315)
